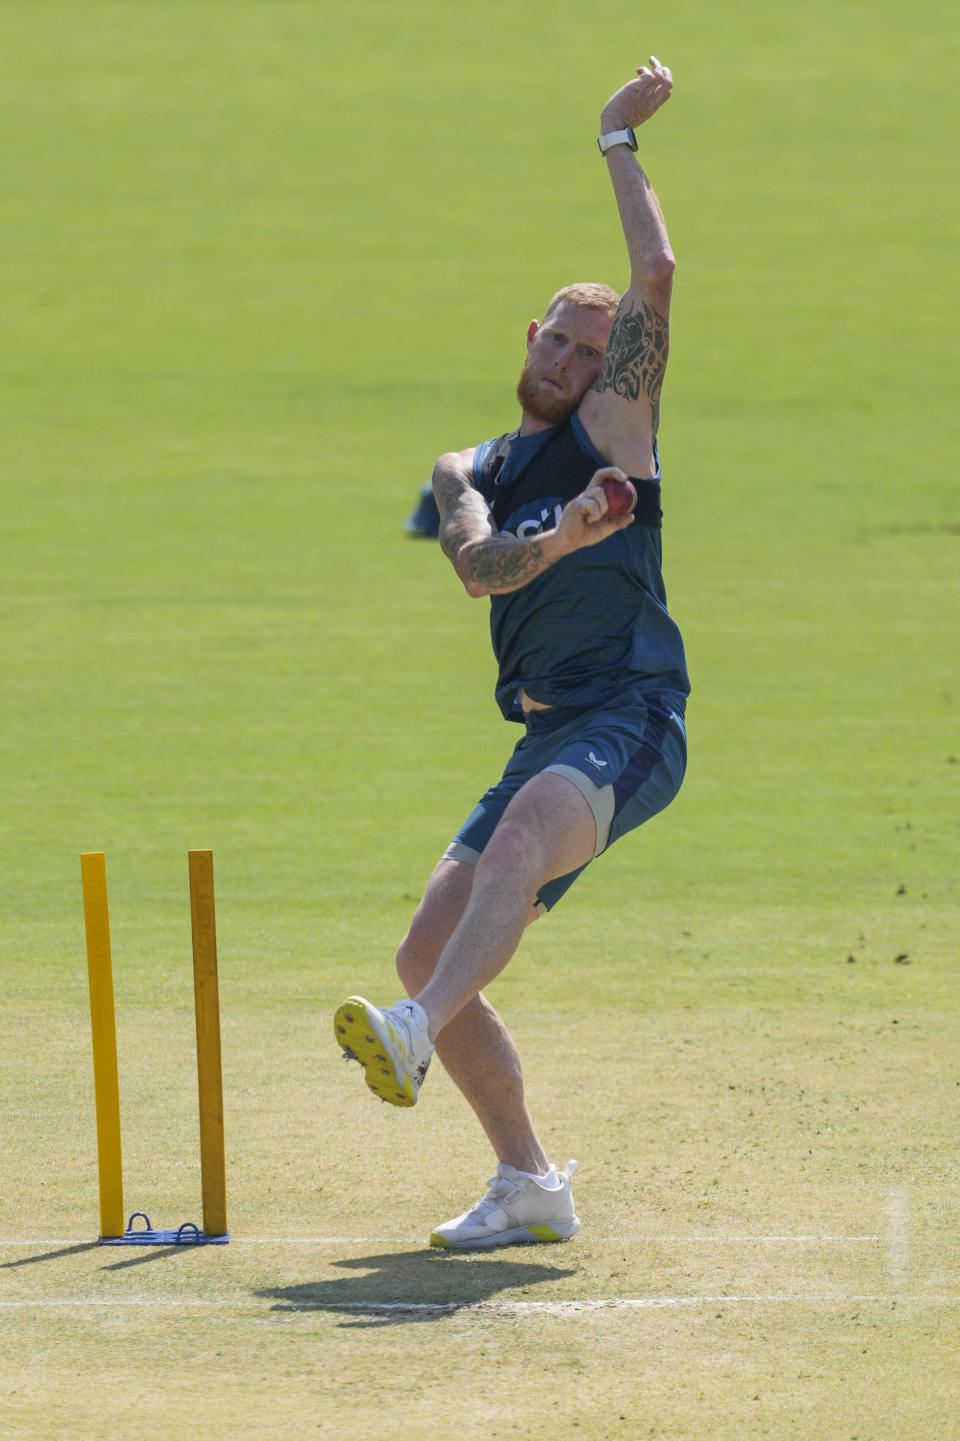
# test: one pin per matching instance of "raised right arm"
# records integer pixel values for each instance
(622, 410)
(491, 563)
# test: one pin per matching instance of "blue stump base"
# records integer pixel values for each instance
(189, 1234)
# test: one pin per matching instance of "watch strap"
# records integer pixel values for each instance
(617, 137)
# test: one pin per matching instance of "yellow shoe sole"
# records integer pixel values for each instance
(359, 1042)
(515, 1236)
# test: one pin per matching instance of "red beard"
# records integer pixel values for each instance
(542, 402)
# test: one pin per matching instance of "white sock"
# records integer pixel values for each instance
(549, 1180)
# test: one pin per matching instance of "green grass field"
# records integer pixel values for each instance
(262, 262)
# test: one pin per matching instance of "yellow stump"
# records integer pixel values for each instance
(103, 1027)
(213, 1176)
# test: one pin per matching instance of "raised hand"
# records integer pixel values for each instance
(636, 101)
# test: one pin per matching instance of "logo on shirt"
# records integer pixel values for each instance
(548, 519)
(594, 761)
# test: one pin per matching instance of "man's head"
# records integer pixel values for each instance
(565, 352)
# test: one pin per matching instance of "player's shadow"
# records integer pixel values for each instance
(395, 1290)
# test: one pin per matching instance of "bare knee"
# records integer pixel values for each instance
(413, 967)
(512, 859)
(444, 902)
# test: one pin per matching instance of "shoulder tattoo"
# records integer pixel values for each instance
(636, 356)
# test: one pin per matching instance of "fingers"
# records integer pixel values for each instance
(657, 69)
(590, 505)
(636, 101)
(597, 496)
(586, 520)
(659, 76)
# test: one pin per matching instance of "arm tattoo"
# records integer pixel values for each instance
(505, 563)
(498, 563)
(453, 535)
(636, 356)
(456, 525)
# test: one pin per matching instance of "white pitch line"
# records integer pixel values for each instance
(617, 1303)
(234, 1241)
(615, 1240)
(744, 1240)
(131, 1301)
(651, 1240)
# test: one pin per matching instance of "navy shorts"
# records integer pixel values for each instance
(627, 757)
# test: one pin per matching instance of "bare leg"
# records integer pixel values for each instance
(465, 932)
(547, 830)
(476, 1049)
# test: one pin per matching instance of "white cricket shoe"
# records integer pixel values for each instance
(392, 1046)
(517, 1207)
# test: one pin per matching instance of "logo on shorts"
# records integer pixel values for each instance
(594, 761)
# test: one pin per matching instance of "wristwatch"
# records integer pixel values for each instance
(617, 137)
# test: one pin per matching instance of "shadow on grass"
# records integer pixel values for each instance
(50, 1255)
(141, 1255)
(396, 1290)
(136, 1255)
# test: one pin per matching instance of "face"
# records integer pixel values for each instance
(564, 358)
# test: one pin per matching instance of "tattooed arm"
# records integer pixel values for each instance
(491, 563)
(622, 411)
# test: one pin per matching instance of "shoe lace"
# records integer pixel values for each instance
(499, 1189)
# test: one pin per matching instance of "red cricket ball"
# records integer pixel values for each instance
(621, 496)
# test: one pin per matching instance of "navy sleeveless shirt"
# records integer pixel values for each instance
(595, 622)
